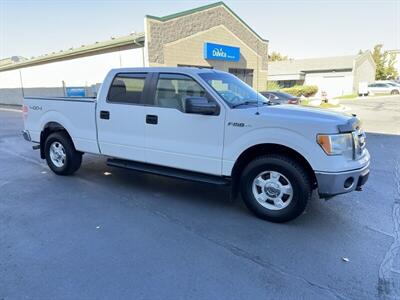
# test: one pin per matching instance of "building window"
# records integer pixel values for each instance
(287, 83)
(245, 75)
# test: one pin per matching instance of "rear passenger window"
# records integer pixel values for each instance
(173, 89)
(127, 88)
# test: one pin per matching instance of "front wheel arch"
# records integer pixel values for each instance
(269, 149)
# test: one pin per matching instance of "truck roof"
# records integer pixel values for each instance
(187, 70)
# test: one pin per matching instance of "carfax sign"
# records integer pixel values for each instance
(221, 52)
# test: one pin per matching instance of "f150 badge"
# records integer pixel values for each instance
(238, 124)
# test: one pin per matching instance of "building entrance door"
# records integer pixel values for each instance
(245, 75)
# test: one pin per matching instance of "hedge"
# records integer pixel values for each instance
(301, 90)
(273, 86)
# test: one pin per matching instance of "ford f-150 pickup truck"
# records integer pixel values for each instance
(204, 125)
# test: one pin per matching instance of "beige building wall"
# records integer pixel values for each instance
(364, 71)
(189, 51)
(334, 84)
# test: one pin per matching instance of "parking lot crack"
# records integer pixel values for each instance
(379, 231)
(387, 288)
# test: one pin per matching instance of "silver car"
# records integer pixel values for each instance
(383, 88)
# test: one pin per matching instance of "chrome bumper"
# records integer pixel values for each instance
(26, 135)
(331, 184)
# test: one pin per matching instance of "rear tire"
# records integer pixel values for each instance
(61, 155)
(395, 92)
(275, 188)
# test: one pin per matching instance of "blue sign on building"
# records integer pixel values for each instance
(75, 91)
(221, 52)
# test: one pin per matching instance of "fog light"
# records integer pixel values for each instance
(349, 182)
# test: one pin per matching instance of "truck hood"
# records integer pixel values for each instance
(321, 119)
(311, 112)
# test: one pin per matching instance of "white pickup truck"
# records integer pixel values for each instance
(204, 125)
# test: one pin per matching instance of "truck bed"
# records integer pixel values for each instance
(76, 115)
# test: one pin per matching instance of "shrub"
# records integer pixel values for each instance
(273, 86)
(301, 90)
(294, 90)
(309, 90)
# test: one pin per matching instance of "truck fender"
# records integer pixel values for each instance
(277, 136)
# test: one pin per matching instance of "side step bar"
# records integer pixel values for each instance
(169, 172)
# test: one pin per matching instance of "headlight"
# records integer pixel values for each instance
(336, 144)
(359, 142)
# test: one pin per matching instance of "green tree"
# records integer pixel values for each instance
(384, 63)
(380, 61)
(390, 70)
(276, 56)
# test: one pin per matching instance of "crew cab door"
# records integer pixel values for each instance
(121, 117)
(178, 139)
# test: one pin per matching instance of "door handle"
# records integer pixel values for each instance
(104, 114)
(151, 119)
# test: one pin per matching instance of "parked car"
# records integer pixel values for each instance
(185, 123)
(389, 82)
(383, 88)
(280, 97)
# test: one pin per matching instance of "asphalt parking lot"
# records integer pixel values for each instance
(108, 233)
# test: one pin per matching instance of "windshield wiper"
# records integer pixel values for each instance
(250, 102)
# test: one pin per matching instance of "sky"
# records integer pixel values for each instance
(299, 29)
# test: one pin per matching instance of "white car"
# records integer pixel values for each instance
(383, 88)
(209, 126)
(390, 82)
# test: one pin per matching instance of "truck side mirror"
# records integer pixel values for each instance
(201, 105)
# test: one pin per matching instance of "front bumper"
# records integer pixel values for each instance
(26, 135)
(331, 184)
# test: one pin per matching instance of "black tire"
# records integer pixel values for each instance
(297, 177)
(394, 92)
(73, 158)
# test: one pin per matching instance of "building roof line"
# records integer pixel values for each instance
(202, 8)
(318, 64)
(87, 49)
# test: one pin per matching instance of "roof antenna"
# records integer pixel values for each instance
(257, 113)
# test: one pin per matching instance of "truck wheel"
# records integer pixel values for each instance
(395, 92)
(275, 188)
(61, 156)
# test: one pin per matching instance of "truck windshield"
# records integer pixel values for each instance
(234, 91)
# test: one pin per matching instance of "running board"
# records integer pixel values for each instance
(166, 171)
